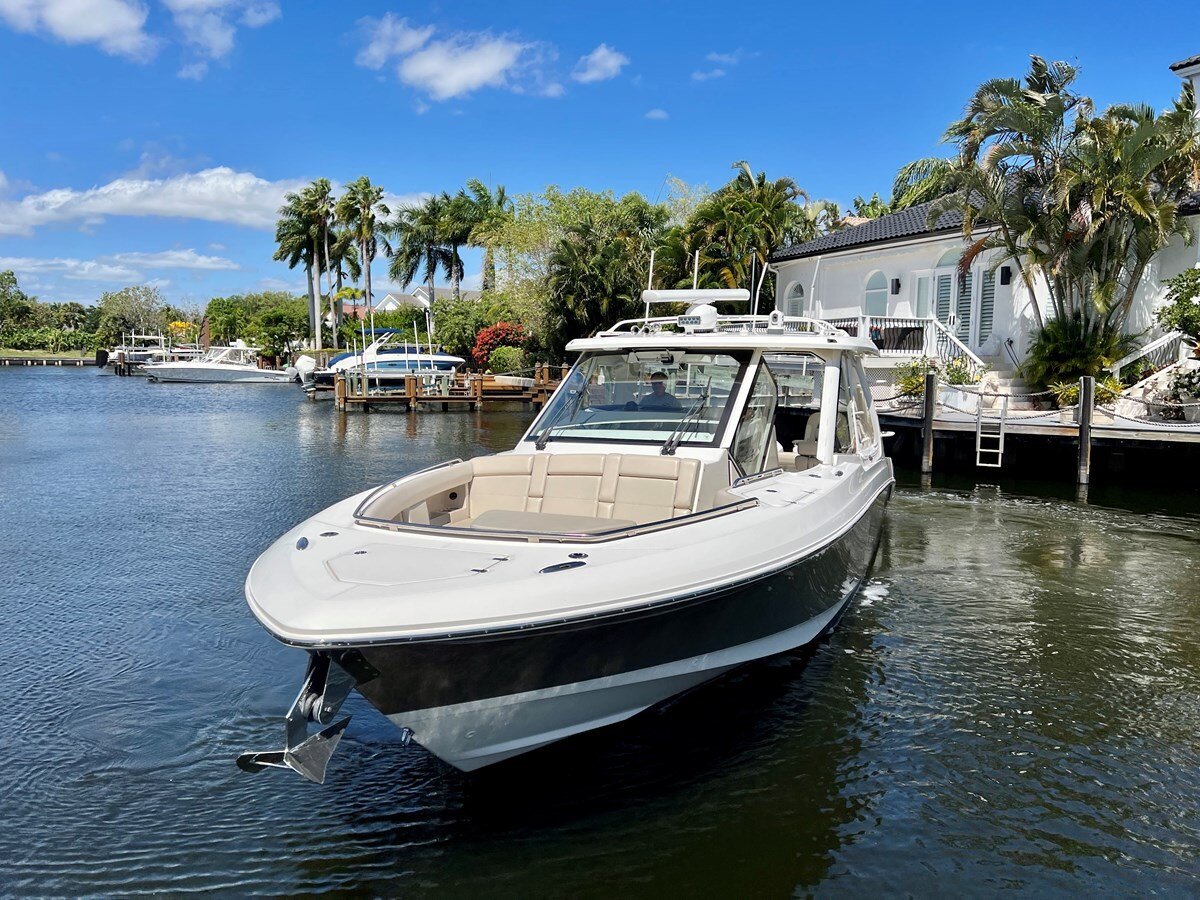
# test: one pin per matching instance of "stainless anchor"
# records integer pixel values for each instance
(326, 685)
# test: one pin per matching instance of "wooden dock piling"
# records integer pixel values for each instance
(929, 413)
(1087, 398)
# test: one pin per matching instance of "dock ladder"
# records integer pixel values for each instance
(989, 436)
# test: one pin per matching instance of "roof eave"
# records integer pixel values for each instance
(784, 256)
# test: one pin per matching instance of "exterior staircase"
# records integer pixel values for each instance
(1001, 381)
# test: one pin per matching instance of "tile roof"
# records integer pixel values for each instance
(1186, 63)
(896, 227)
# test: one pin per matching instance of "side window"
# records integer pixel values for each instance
(861, 413)
(754, 429)
(875, 297)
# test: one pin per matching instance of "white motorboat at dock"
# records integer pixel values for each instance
(701, 492)
(235, 364)
(386, 362)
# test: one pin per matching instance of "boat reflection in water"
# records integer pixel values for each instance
(702, 491)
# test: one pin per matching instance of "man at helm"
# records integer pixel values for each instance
(658, 398)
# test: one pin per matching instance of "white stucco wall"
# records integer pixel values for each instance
(834, 285)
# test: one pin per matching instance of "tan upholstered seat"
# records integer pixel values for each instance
(546, 523)
(636, 489)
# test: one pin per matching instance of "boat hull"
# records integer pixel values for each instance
(216, 375)
(478, 700)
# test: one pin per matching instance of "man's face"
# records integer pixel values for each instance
(658, 386)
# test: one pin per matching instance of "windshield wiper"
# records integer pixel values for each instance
(544, 435)
(676, 436)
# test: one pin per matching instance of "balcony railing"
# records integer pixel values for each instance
(909, 337)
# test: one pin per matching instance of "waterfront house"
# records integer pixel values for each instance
(896, 277)
(420, 298)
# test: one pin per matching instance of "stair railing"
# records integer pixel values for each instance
(1162, 351)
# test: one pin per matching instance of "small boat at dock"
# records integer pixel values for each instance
(221, 365)
(701, 492)
(385, 363)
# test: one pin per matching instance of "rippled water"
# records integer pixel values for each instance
(1012, 703)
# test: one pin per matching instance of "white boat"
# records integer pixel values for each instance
(701, 492)
(385, 362)
(223, 365)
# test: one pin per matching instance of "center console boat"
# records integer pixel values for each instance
(702, 491)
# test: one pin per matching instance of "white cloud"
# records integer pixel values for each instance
(215, 247)
(461, 64)
(601, 64)
(256, 15)
(74, 269)
(193, 71)
(210, 26)
(116, 26)
(705, 76)
(726, 59)
(214, 195)
(657, 114)
(388, 38)
(176, 259)
(457, 64)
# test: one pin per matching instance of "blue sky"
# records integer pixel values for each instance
(151, 140)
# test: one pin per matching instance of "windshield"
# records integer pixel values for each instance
(644, 395)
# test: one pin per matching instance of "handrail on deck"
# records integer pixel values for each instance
(1164, 346)
(728, 324)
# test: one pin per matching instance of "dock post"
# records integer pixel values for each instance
(339, 391)
(927, 423)
(1087, 396)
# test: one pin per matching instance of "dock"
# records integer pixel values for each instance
(351, 390)
(990, 435)
(47, 361)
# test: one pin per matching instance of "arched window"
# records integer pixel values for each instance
(794, 302)
(875, 297)
(949, 258)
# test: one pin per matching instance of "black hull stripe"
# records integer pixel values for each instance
(402, 677)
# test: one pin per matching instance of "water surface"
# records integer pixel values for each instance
(1011, 703)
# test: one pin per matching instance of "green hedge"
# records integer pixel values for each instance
(506, 359)
(52, 340)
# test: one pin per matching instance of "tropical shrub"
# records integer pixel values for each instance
(1066, 393)
(502, 334)
(1185, 386)
(910, 376)
(1182, 311)
(52, 340)
(1067, 348)
(505, 360)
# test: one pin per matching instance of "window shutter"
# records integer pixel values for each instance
(987, 305)
(963, 307)
(945, 288)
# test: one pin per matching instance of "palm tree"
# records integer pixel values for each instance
(364, 214)
(1083, 201)
(458, 220)
(491, 211)
(300, 235)
(923, 180)
(294, 246)
(420, 246)
(737, 227)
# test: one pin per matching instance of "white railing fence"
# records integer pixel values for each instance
(1164, 350)
(909, 337)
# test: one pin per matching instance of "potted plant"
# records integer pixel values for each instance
(1066, 395)
(1185, 388)
(1181, 312)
